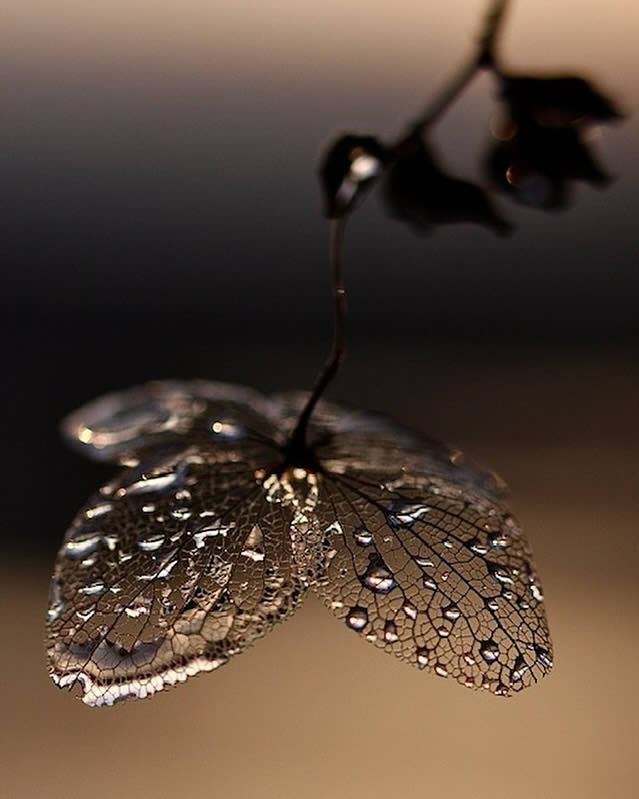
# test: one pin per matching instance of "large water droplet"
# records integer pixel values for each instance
(441, 670)
(378, 577)
(489, 651)
(363, 537)
(357, 618)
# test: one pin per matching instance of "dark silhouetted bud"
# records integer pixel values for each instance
(420, 193)
(348, 167)
(556, 102)
(535, 164)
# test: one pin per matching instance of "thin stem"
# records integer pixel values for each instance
(483, 57)
(338, 350)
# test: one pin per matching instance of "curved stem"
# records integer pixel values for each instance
(298, 441)
(297, 447)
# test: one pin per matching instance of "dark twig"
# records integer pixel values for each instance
(298, 442)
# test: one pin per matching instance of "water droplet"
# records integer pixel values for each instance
(82, 545)
(148, 484)
(390, 632)
(410, 610)
(357, 618)
(363, 537)
(452, 612)
(183, 495)
(85, 613)
(489, 651)
(519, 669)
(470, 660)
(99, 510)
(422, 657)
(228, 430)
(254, 545)
(91, 589)
(56, 605)
(136, 610)
(148, 508)
(443, 632)
(498, 540)
(500, 573)
(151, 542)
(163, 572)
(477, 547)
(429, 583)
(211, 531)
(181, 513)
(535, 590)
(425, 563)
(405, 514)
(443, 576)
(378, 577)
(111, 540)
(448, 544)
(543, 656)
(441, 670)
(492, 604)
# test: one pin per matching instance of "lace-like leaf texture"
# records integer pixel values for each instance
(207, 538)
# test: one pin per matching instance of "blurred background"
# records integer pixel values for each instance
(160, 217)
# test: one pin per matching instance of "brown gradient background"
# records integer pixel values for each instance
(161, 219)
